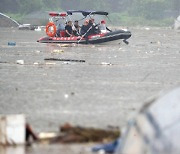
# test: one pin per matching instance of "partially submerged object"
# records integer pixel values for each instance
(91, 39)
(26, 27)
(80, 134)
(156, 128)
(66, 60)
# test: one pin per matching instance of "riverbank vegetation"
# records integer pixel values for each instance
(122, 12)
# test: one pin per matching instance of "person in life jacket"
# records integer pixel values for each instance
(60, 26)
(76, 28)
(85, 28)
(103, 28)
(68, 29)
(94, 29)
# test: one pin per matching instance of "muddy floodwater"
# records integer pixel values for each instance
(108, 88)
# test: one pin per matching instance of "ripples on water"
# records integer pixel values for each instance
(116, 78)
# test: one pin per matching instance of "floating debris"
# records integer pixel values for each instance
(10, 126)
(147, 28)
(156, 42)
(106, 148)
(84, 134)
(27, 27)
(3, 62)
(66, 96)
(105, 63)
(57, 51)
(67, 45)
(47, 135)
(66, 63)
(21, 62)
(11, 43)
(37, 51)
(50, 63)
(36, 63)
(38, 29)
(67, 60)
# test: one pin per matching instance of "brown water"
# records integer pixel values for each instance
(91, 94)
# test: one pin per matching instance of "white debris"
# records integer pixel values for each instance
(12, 129)
(57, 51)
(177, 23)
(147, 28)
(38, 29)
(36, 63)
(101, 151)
(47, 135)
(37, 51)
(66, 63)
(21, 62)
(50, 63)
(66, 96)
(105, 63)
(124, 29)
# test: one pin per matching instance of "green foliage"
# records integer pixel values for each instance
(123, 19)
(30, 6)
(149, 9)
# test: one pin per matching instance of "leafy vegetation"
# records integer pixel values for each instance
(130, 12)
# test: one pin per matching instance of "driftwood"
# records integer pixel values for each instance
(66, 60)
(76, 134)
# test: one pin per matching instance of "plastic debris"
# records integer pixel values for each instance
(107, 148)
(156, 42)
(147, 28)
(12, 129)
(47, 135)
(66, 63)
(125, 29)
(38, 29)
(50, 63)
(66, 96)
(105, 63)
(66, 45)
(37, 51)
(11, 43)
(21, 62)
(27, 27)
